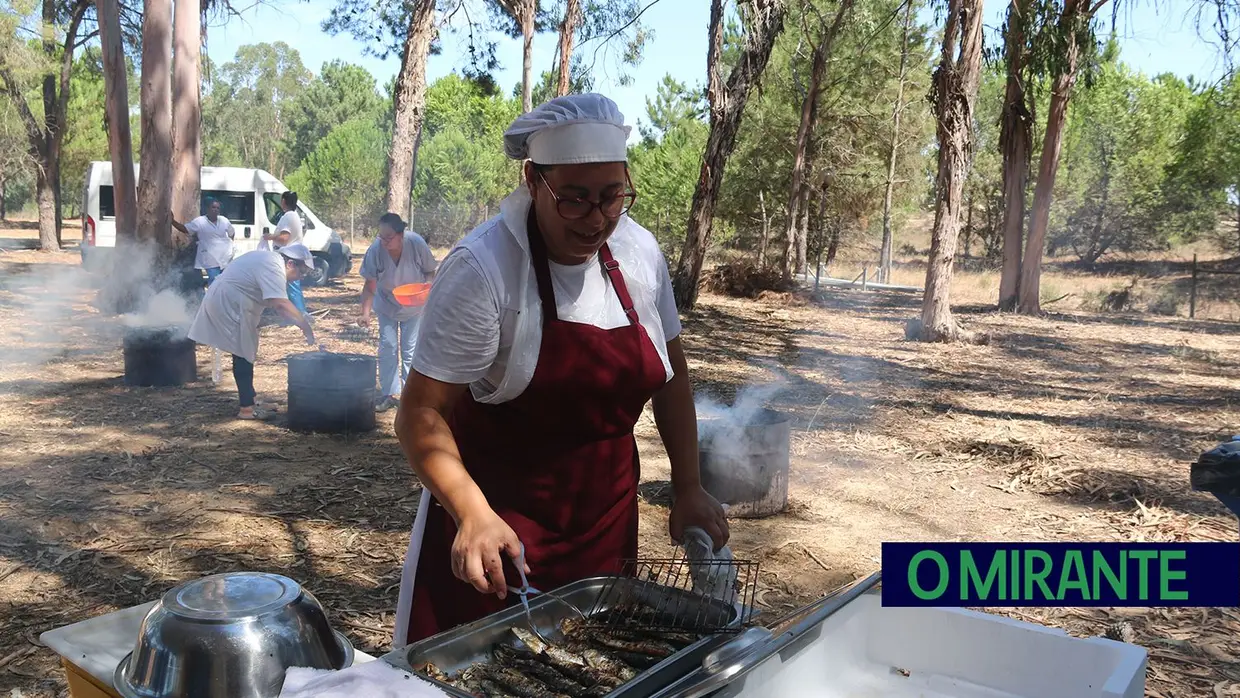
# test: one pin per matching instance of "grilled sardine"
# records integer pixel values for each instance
(529, 639)
(649, 648)
(490, 689)
(516, 683)
(581, 672)
(611, 665)
(538, 666)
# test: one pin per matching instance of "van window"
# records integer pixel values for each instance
(236, 206)
(107, 208)
(272, 203)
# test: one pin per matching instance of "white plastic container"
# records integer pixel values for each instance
(865, 650)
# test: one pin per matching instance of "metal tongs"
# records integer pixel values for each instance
(525, 590)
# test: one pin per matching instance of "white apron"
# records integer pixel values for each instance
(229, 321)
(404, 601)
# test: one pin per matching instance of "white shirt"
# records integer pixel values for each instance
(416, 263)
(482, 324)
(215, 241)
(233, 307)
(291, 222)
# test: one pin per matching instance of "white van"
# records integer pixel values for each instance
(249, 198)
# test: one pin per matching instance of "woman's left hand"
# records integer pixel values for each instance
(697, 508)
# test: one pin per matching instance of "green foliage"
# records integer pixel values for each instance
(1121, 136)
(341, 93)
(1203, 183)
(462, 173)
(248, 109)
(850, 146)
(666, 164)
(345, 171)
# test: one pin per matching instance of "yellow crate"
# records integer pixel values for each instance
(83, 685)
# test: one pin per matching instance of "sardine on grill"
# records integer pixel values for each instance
(641, 662)
(611, 665)
(650, 648)
(516, 683)
(490, 689)
(529, 639)
(581, 672)
(677, 641)
(538, 667)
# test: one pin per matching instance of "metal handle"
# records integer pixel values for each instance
(751, 648)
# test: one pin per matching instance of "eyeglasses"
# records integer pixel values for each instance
(575, 209)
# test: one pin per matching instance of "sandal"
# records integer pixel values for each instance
(256, 414)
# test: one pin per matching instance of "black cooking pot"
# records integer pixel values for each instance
(159, 356)
(330, 392)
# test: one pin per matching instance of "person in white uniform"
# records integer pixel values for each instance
(215, 235)
(397, 257)
(547, 331)
(229, 316)
(288, 232)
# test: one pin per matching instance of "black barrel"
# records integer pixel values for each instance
(159, 357)
(330, 392)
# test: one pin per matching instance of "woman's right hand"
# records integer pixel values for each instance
(363, 320)
(481, 540)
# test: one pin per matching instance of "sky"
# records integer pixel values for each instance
(1155, 37)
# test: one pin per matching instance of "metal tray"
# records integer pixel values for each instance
(456, 649)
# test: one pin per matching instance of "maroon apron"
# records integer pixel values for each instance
(558, 463)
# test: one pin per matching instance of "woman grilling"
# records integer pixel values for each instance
(547, 331)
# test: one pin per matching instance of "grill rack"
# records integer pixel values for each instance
(625, 607)
(355, 333)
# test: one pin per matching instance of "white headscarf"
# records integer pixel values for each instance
(570, 130)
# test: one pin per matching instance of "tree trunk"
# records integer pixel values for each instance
(155, 185)
(805, 131)
(410, 104)
(568, 32)
(1029, 296)
(887, 249)
(45, 197)
(116, 117)
(4, 209)
(953, 92)
(727, 106)
(187, 112)
(52, 129)
(1015, 144)
(833, 246)
(766, 231)
(528, 10)
(802, 263)
(968, 227)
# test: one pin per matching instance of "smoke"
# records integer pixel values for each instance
(749, 404)
(54, 309)
(166, 310)
(726, 443)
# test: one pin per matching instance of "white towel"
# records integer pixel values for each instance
(371, 680)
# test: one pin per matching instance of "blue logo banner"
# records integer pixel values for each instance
(1061, 574)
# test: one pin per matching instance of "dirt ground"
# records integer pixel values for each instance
(1070, 427)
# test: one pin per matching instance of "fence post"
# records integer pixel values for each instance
(1192, 293)
(865, 278)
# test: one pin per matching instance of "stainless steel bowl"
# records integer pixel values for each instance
(230, 636)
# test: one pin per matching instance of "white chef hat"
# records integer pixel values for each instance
(570, 130)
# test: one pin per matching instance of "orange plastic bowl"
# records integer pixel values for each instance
(412, 294)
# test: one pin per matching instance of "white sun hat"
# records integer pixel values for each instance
(300, 253)
(569, 130)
